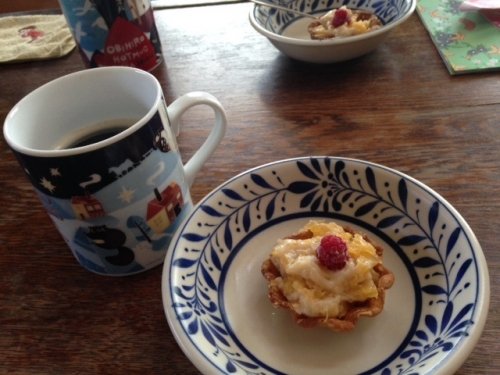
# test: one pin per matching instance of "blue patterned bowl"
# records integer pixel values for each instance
(215, 297)
(288, 31)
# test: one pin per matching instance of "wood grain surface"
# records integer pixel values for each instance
(27, 5)
(397, 106)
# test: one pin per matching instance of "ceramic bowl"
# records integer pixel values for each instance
(215, 297)
(288, 31)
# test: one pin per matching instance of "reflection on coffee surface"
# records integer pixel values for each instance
(97, 133)
(98, 136)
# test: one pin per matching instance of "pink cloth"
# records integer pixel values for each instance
(489, 9)
(480, 4)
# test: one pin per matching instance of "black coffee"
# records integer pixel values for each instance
(97, 136)
(96, 133)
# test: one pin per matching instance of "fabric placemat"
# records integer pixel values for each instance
(466, 41)
(34, 37)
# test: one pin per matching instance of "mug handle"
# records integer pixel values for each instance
(175, 111)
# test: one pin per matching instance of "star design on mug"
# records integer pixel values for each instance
(55, 172)
(126, 195)
(47, 184)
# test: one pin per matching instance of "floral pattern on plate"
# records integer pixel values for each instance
(386, 11)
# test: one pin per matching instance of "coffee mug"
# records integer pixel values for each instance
(99, 147)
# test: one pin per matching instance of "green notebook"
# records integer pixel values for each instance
(466, 41)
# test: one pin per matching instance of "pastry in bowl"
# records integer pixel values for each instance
(327, 275)
(343, 22)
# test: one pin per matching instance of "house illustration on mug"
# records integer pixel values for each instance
(164, 208)
(87, 207)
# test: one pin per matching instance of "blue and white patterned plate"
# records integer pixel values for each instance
(215, 298)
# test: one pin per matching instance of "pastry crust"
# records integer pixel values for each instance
(369, 308)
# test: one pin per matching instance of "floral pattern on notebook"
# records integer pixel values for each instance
(466, 41)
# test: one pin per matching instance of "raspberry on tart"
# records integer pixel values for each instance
(332, 252)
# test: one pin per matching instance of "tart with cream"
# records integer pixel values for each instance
(343, 22)
(327, 275)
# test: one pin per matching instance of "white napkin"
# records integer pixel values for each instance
(34, 37)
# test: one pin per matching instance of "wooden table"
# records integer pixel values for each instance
(397, 106)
